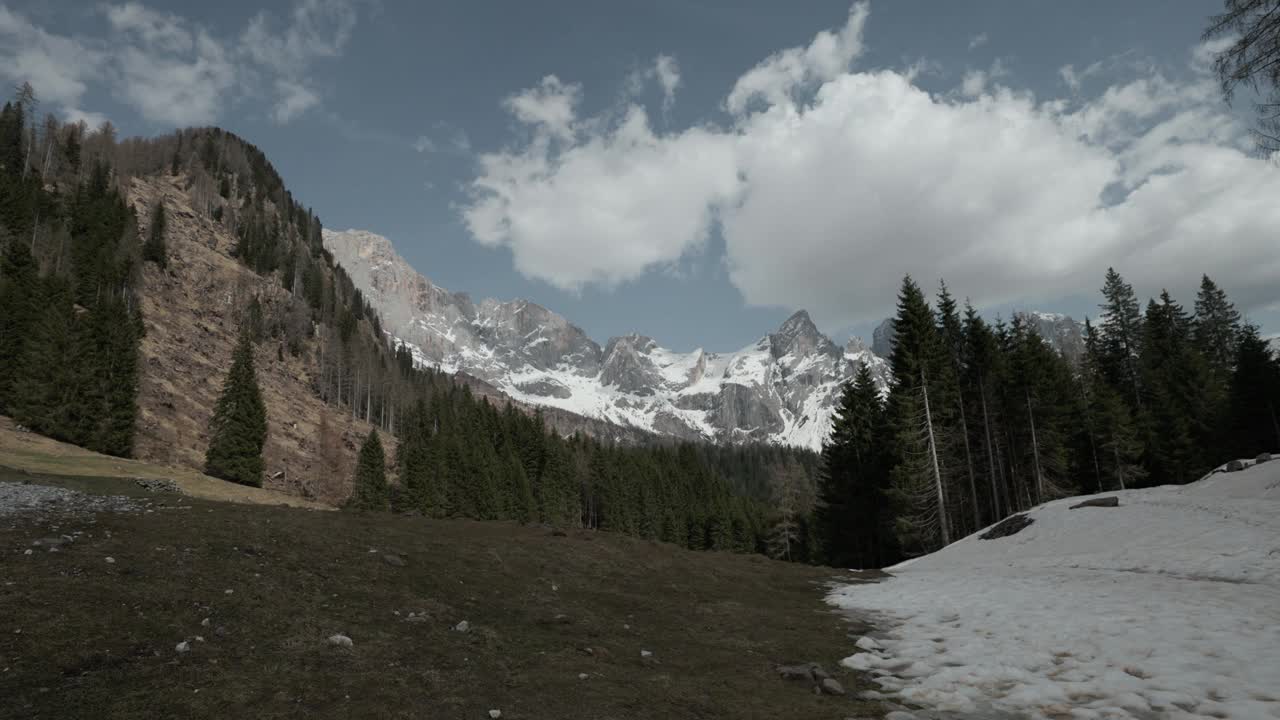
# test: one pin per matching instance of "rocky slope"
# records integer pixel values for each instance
(191, 315)
(781, 389)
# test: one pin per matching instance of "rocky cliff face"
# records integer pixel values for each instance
(781, 389)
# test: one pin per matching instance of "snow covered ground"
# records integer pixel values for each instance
(1165, 607)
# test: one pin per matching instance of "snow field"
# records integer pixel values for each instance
(1165, 607)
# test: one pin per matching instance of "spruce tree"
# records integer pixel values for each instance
(154, 250)
(1253, 404)
(238, 429)
(851, 517)
(1178, 409)
(1216, 326)
(1120, 337)
(920, 480)
(19, 311)
(369, 491)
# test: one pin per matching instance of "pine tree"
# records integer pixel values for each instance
(238, 429)
(1178, 409)
(920, 484)
(19, 310)
(851, 517)
(369, 491)
(1253, 404)
(1119, 337)
(153, 250)
(1119, 447)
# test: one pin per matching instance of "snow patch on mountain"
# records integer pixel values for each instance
(782, 388)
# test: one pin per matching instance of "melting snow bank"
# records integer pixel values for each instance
(1167, 606)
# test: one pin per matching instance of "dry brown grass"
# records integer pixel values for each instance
(32, 453)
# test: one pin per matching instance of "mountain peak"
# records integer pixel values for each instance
(798, 324)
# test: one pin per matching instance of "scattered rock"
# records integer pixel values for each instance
(1109, 501)
(1235, 466)
(50, 543)
(340, 641)
(818, 673)
(204, 622)
(395, 560)
(1263, 457)
(867, 643)
(183, 647)
(798, 673)
(416, 619)
(583, 676)
(495, 714)
(462, 626)
(111, 561)
(831, 687)
(27, 551)
(1009, 526)
(645, 654)
(160, 485)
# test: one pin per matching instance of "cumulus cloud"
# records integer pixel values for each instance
(826, 57)
(830, 183)
(173, 71)
(60, 68)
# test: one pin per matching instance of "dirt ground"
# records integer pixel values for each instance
(557, 626)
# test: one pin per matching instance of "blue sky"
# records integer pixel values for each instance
(697, 170)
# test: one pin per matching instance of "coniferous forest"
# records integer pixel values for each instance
(981, 420)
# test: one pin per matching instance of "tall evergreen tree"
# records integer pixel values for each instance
(238, 429)
(19, 310)
(1178, 409)
(1253, 402)
(852, 514)
(1120, 337)
(920, 484)
(369, 491)
(1216, 326)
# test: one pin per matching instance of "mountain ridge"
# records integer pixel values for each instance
(782, 388)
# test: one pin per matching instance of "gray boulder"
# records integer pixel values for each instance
(1235, 466)
(831, 687)
(796, 673)
(1263, 457)
(1109, 501)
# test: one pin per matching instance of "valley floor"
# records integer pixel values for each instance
(160, 605)
(1167, 606)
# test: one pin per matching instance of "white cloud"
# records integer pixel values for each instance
(827, 56)
(668, 73)
(293, 99)
(826, 197)
(173, 71)
(549, 107)
(606, 209)
(977, 41)
(424, 144)
(59, 68)
(665, 70)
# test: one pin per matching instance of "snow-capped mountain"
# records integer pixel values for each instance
(781, 389)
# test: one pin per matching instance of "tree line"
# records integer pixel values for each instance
(982, 421)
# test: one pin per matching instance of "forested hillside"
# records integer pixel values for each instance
(985, 421)
(133, 267)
